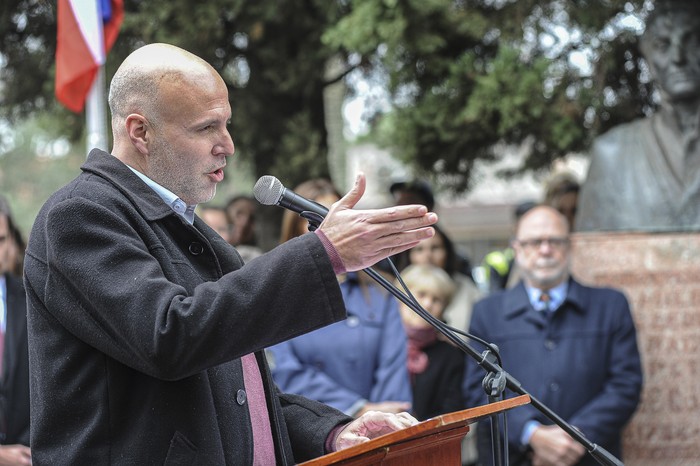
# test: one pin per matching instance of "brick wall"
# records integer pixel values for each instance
(660, 274)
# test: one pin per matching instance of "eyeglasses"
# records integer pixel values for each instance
(536, 243)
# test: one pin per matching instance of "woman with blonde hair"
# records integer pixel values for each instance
(436, 367)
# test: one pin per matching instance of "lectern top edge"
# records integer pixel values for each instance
(431, 426)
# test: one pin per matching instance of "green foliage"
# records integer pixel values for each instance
(40, 162)
(466, 75)
(462, 75)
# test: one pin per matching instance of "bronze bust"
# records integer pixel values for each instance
(645, 175)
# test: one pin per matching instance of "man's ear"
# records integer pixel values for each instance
(139, 131)
(515, 246)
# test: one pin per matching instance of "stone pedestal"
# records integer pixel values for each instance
(660, 274)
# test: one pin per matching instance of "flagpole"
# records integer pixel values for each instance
(96, 114)
(95, 108)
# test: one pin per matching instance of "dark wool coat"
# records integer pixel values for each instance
(14, 387)
(137, 321)
(582, 362)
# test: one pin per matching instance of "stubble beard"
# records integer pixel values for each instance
(171, 172)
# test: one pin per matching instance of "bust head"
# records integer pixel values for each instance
(671, 46)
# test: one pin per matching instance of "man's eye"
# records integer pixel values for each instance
(661, 44)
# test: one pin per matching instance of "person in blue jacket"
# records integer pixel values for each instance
(573, 347)
(356, 365)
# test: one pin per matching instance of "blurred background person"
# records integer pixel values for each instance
(418, 191)
(16, 248)
(561, 192)
(440, 252)
(413, 192)
(14, 349)
(240, 211)
(571, 345)
(356, 365)
(319, 190)
(216, 218)
(436, 367)
(500, 268)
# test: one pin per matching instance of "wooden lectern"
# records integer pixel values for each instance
(435, 442)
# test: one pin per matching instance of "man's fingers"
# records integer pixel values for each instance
(380, 423)
(370, 425)
(349, 439)
(355, 194)
(406, 419)
(357, 262)
(395, 243)
(395, 215)
(410, 223)
(364, 237)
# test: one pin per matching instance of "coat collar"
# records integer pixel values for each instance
(116, 173)
(516, 301)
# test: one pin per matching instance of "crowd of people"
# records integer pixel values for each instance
(578, 354)
(166, 335)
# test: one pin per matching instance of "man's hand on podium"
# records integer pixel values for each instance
(370, 425)
(554, 447)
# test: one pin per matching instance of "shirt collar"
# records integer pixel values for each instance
(557, 295)
(175, 203)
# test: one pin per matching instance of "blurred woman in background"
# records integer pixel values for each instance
(355, 365)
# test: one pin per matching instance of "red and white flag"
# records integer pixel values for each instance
(87, 30)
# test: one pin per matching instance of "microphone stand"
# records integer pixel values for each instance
(497, 378)
(494, 385)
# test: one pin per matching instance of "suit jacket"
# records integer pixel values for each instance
(137, 321)
(14, 386)
(582, 361)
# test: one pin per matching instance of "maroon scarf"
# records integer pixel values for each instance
(418, 338)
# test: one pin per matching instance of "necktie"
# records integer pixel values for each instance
(546, 301)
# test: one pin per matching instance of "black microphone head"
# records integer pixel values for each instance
(268, 190)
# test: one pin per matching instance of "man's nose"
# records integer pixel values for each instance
(545, 246)
(226, 146)
(677, 50)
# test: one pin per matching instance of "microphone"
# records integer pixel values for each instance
(268, 190)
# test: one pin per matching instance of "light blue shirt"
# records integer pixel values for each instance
(557, 295)
(177, 204)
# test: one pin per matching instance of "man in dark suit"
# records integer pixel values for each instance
(14, 360)
(145, 329)
(573, 347)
